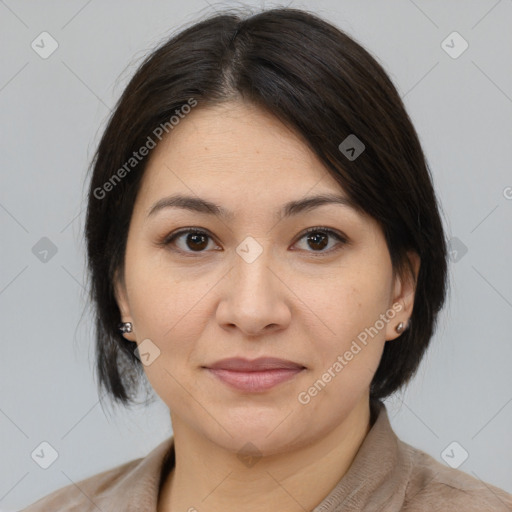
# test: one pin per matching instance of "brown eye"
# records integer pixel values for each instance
(192, 240)
(317, 239)
(196, 241)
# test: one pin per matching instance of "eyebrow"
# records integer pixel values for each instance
(200, 205)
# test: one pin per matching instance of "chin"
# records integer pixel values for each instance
(264, 431)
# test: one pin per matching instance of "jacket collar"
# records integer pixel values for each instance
(379, 474)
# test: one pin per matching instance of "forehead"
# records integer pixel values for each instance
(230, 146)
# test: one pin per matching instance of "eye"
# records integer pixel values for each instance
(194, 240)
(318, 238)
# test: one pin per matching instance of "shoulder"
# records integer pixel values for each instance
(81, 496)
(133, 485)
(434, 486)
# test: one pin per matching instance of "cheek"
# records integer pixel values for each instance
(171, 313)
(348, 310)
(171, 316)
(163, 296)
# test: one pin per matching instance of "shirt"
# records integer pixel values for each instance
(386, 475)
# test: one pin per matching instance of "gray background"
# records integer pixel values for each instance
(53, 112)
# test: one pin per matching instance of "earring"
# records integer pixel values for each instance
(400, 327)
(125, 327)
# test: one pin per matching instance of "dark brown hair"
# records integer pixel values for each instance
(323, 85)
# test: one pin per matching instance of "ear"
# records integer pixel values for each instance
(122, 302)
(403, 296)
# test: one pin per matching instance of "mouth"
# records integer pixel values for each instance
(257, 375)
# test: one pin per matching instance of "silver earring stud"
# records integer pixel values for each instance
(400, 327)
(125, 327)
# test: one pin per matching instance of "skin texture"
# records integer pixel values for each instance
(291, 302)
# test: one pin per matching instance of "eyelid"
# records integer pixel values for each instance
(331, 231)
(175, 234)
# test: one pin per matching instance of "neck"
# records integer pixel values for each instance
(208, 477)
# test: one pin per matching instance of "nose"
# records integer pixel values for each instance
(254, 297)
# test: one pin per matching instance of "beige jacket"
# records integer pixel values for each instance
(387, 475)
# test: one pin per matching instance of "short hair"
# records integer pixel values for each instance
(322, 84)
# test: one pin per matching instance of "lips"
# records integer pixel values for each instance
(240, 364)
(258, 375)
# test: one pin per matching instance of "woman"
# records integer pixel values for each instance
(265, 247)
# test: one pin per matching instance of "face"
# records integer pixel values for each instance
(253, 283)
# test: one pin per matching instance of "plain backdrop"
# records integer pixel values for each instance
(53, 111)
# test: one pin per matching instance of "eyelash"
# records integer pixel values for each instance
(169, 239)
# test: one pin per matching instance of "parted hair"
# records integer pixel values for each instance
(322, 84)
